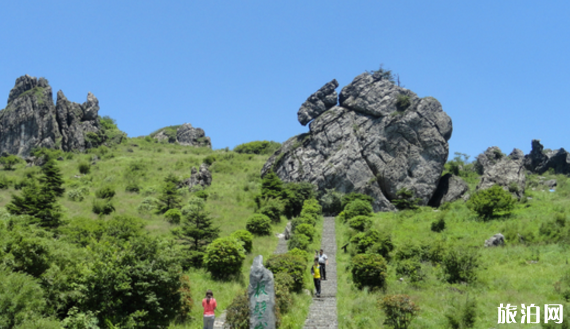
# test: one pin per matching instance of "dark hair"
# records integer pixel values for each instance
(316, 259)
(209, 294)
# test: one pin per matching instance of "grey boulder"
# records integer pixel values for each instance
(318, 103)
(495, 241)
(538, 161)
(380, 139)
(449, 189)
(505, 171)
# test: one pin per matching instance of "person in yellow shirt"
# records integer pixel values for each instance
(316, 272)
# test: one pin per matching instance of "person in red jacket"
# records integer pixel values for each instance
(209, 304)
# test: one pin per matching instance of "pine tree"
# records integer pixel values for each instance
(39, 202)
(197, 229)
(271, 186)
(52, 178)
(169, 197)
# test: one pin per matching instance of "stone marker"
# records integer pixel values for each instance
(261, 293)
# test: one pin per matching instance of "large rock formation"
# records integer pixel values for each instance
(184, 135)
(380, 139)
(198, 177)
(539, 161)
(32, 120)
(505, 171)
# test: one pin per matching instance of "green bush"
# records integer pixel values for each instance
(402, 102)
(258, 147)
(364, 240)
(462, 315)
(105, 192)
(491, 202)
(408, 250)
(411, 268)
(147, 204)
(133, 187)
(283, 285)
(202, 195)
(348, 198)
(299, 241)
(460, 265)
(10, 161)
(259, 224)
(272, 209)
(84, 168)
(368, 270)
(237, 313)
(438, 225)
(173, 216)
(357, 208)
(245, 237)
(562, 286)
(331, 202)
(555, 230)
(399, 310)
(210, 159)
(290, 264)
(302, 220)
(301, 253)
(5, 182)
(360, 223)
(405, 200)
(75, 195)
(101, 207)
(294, 195)
(224, 257)
(307, 230)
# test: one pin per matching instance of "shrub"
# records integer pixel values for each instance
(259, 224)
(173, 216)
(491, 202)
(147, 204)
(272, 209)
(411, 268)
(292, 265)
(245, 237)
(299, 241)
(360, 223)
(210, 159)
(402, 102)
(357, 208)
(75, 195)
(555, 230)
(105, 192)
(405, 200)
(438, 225)
(283, 286)
(562, 286)
(348, 198)
(84, 168)
(5, 182)
(257, 147)
(462, 315)
(101, 207)
(460, 265)
(237, 316)
(133, 187)
(9, 161)
(331, 202)
(365, 240)
(202, 195)
(408, 250)
(399, 310)
(302, 220)
(368, 270)
(224, 257)
(307, 230)
(301, 253)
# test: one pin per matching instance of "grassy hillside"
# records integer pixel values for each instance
(528, 269)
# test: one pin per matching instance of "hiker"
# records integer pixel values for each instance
(323, 261)
(316, 272)
(209, 304)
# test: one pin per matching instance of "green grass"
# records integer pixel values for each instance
(519, 273)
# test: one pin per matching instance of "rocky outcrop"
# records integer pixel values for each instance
(505, 171)
(318, 103)
(539, 162)
(198, 177)
(184, 135)
(495, 241)
(449, 189)
(31, 120)
(380, 139)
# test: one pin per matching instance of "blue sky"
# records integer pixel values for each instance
(241, 69)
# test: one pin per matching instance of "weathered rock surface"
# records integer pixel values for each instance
(539, 162)
(261, 293)
(449, 189)
(318, 103)
(505, 171)
(380, 139)
(495, 241)
(198, 177)
(31, 120)
(184, 135)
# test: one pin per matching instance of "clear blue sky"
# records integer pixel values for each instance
(241, 69)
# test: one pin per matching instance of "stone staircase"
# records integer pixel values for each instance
(322, 313)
